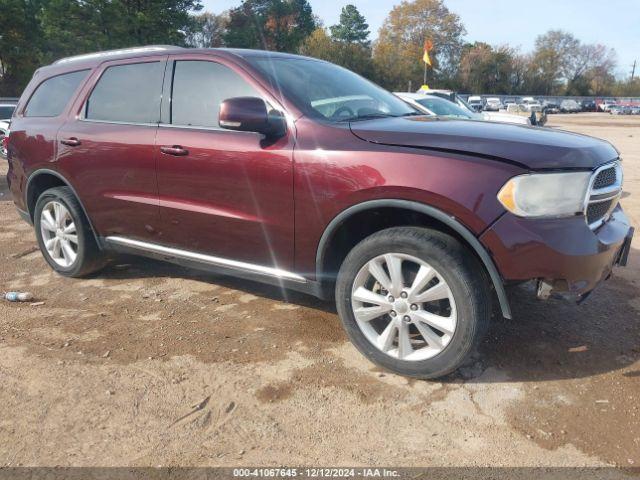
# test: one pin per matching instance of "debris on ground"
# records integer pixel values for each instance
(581, 348)
(18, 296)
(195, 408)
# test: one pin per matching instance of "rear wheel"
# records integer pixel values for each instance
(413, 300)
(64, 234)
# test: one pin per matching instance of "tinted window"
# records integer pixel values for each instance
(53, 94)
(198, 90)
(127, 93)
(6, 112)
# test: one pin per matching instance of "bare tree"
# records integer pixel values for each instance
(207, 31)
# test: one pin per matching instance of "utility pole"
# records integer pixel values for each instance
(633, 70)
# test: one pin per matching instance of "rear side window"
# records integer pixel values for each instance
(53, 94)
(127, 93)
(199, 87)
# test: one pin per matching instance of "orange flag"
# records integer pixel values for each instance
(428, 46)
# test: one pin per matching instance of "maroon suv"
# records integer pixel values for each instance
(294, 171)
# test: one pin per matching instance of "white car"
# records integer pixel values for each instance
(606, 106)
(435, 104)
(4, 131)
(530, 104)
(475, 102)
(493, 104)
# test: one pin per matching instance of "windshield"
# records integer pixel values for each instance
(444, 108)
(6, 111)
(326, 91)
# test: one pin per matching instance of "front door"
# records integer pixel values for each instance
(107, 148)
(222, 193)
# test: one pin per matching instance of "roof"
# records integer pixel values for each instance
(134, 52)
(414, 96)
(119, 53)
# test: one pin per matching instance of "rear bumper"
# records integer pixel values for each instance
(564, 253)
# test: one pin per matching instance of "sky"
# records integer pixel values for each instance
(615, 23)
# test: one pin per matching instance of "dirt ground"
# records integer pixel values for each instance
(149, 364)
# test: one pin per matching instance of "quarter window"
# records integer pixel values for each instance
(53, 94)
(127, 93)
(199, 87)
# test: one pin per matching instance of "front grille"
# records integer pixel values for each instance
(606, 187)
(605, 178)
(597, 211)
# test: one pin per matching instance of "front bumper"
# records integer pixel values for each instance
(564, 253)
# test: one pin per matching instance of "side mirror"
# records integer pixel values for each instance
(249, 114)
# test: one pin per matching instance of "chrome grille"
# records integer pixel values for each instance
(604, 192)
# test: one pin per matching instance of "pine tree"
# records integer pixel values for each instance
(352, 28)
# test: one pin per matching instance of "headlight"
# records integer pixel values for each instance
(545, 194)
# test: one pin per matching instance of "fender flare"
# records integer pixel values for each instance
(433, 212)
(46, 171)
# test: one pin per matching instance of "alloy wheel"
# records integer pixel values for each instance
(59, 233)
(404, 307)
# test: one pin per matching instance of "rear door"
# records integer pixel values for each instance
(224, 193)
(107, 147)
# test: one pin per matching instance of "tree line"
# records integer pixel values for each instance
(36, 32)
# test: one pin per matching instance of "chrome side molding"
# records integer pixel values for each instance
(206, 259)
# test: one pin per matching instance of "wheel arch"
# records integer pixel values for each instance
(43, 179)
(439, 219)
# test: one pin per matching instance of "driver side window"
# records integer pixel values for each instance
(199, 87)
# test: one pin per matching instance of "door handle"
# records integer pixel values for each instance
(175, 150)
(71, 142)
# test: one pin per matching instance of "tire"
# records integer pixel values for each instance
(88, 257)
(468, 302)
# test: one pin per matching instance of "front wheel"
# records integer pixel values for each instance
(414, 301)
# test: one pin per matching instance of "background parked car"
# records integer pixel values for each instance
(434, 104)
(4, 132)
(493, 104)
(530, 104)
(551, 107)
(589, 106)
(6, 110)
(475, 102)
(615, 110)
(570, 106)
(620, 110)
(606, 105)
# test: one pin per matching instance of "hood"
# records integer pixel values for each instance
(531, 147)
(506, 118)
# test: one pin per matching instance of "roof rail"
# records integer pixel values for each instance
(111, 53)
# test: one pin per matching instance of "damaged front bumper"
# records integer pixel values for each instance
(564, 256)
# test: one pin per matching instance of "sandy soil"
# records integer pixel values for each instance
(150, 364)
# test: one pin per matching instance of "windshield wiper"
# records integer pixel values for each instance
(368, 116)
